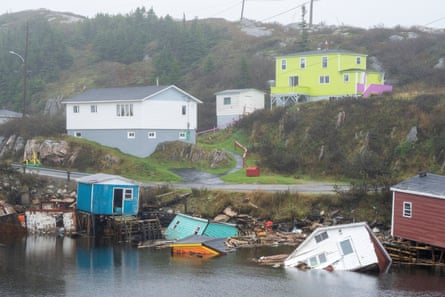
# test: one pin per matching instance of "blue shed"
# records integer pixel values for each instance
(105, 194)
(183, 225)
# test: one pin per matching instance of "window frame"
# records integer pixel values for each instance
(324, 62)
(128, 194)
(407, 209)
(358, 60)
(151, 135)
(124, 110)
(93, 108)
(324, 79)
(131, 135)
(227, 101)
(76, 108)
(303, 63)
(322, 236)
(283, 64)
(294, 81)
(346, 77)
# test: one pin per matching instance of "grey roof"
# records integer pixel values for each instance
(323, 51)
(124, 93)
(232, 91)
(217, 244)
(100, 178)
(432, 185)
(4, 113)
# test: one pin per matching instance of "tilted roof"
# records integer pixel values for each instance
(124, 93)
(426, 184)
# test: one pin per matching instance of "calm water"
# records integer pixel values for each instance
(49, 266)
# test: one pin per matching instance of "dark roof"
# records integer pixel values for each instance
(426, 184)
(212, 242)
(323, 51)
(124, 93)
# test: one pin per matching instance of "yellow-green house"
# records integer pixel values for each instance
(324, 74)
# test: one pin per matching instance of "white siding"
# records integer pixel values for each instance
(161, 112)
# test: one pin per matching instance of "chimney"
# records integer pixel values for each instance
(422, 172)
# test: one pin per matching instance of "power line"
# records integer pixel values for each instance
(286, 11)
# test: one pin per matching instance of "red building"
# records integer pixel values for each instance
(418, 209)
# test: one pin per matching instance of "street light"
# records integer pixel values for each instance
(24, 60)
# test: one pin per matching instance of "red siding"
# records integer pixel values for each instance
(427, 224)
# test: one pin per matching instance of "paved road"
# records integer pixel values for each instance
(201, 180)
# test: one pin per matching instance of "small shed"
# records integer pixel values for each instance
(418, 209)
(231, 105)
(105, 194)
(183, 225)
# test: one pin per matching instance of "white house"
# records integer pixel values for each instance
(231, 105)
(6, 115)
(133, 119)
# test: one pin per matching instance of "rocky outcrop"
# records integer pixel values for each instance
(181, 151)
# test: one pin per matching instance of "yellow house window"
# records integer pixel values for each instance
(324, 79)
(324, 62)
(303, 63)
(293, 81)
(283, 64)
(358, 60)
(346, 77)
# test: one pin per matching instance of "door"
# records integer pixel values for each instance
(118, 196)
(350, 257)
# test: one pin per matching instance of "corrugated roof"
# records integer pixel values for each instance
(124, 93)
(429, 184)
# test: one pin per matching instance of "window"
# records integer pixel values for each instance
(131, 135)
(76, 108)
(324, 79)
(184, 110)
(124, 110)
(317, 260)
(197, 230)
(78, 134)
(283, 65)
(182, 135)
(322, 236)
(227, 100)
(407, 209)
(151, 135)
(358, 60)
(346, 77)
(346, 247)
(93, 108)
(128, 194)
(293, 81)
(324, 62)
(302, 63)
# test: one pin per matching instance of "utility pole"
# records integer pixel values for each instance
(25, 70)
(311, 13)
(242, 11)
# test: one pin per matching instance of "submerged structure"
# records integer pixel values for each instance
(351, 247)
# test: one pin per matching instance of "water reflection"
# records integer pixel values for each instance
(54, 266)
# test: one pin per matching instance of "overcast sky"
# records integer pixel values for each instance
(359, 13)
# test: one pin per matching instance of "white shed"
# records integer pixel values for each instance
(231, 105)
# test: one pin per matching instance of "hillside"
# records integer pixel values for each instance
(68, 53)
(350, 138)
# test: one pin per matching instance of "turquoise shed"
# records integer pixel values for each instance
(183, 225)
(105, 194)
